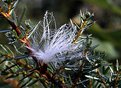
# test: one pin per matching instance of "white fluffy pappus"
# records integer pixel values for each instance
(48, 45)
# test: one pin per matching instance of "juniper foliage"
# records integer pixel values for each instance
(80, 67)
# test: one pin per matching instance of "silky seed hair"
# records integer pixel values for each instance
(52, 45)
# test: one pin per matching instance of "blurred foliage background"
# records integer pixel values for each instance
(106, 30)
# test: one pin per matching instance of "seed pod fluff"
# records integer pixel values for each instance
(49, 44)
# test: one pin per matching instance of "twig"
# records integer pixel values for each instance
(14, 27)
(79, 74)
(103, 81)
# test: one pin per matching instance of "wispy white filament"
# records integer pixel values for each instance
(53, 42)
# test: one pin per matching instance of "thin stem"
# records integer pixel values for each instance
(79, 74)
(103, 81)
(14, 27)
